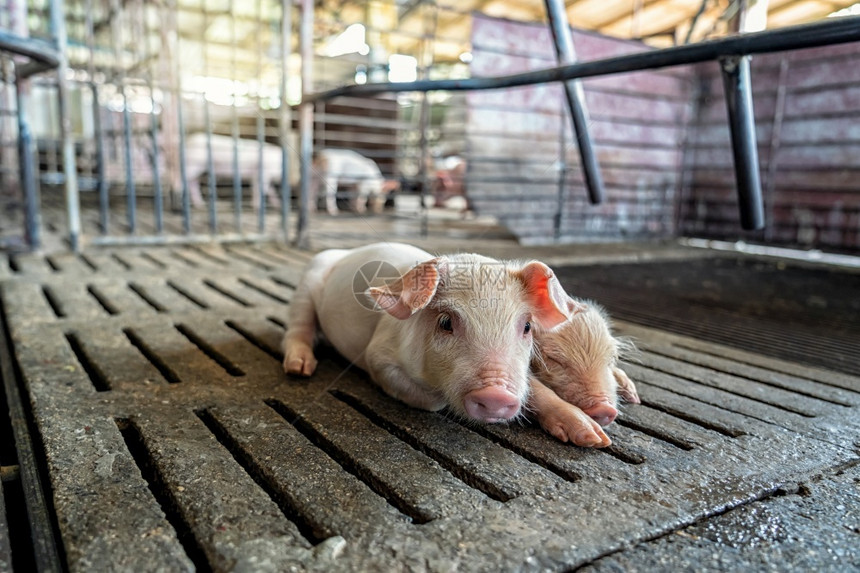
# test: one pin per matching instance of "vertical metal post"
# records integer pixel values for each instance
(306, 122)
(261, 130)
(738, 90)
(101, 179)
(429, 22)
(142, 29)
(26, 150)
(130, 191)
(234, 127)
(562, 182)
(172, 8)
(555, 10)
(210, 165)
(424, 157)
(284, 116)
(70, 175)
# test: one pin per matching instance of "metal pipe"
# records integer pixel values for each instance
(261, 131)
(234, 129)
(284, 116)
(70, 175)
(306, 122)
(26, 150)
(566, 54)
(210, 163)
(173, 8)
(738, 90)
(101, 178)
(42, 55)
(130, 191)
(832, 31)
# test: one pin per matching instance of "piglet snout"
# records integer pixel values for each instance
(602, 413)
(491, 404)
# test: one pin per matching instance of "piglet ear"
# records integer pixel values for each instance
(550, 304)
(410, 293)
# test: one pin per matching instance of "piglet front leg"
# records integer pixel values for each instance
(626, 388)
(563, 420)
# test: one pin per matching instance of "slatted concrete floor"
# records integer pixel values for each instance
(172, 439)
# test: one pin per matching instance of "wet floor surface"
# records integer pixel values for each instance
(165, 435)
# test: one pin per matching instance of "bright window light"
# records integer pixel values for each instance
(350, 41)
(853, 10)
(402, 68)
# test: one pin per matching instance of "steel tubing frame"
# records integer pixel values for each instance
(732, 53)
(558, 25)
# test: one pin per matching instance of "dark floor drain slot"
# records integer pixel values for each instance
(281, 499)
(776, 405)
(210, 351)
(152, 259)
(226, 293)
(656, 433)
(263, 291)
(187, 295)
(55, 267)
(544, 462)
(343, 460)
(88, 262)
(284, 282)
(180, 257)
(97, 377)
(121, 261)
(165, 498)
(469, 478)
(102, 300)
(274, 352)
(150, 355)
(144, 295)
(23, 558)
(707, 424)
(783, 387)
(53, 301)
(250, 260)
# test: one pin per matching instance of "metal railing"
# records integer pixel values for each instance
(732, 53)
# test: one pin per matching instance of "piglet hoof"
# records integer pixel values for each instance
(299, 360)
(626, 388)
(572, 425)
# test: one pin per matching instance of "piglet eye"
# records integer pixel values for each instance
(527, 328)
(445, 323)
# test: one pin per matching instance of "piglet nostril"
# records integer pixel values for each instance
(603, 413)
(491, 404)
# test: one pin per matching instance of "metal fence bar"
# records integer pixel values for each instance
(101, 179)
(836, 31)
(42, 55)
(26, 151)
(558, 25)
(738, 90)
(284, 116)
(234, 129)
(70, 175)
(306, 122)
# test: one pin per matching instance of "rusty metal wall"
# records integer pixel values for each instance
(808, 132)
(523, 162)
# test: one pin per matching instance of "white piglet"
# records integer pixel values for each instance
(431, 331)
(333, 167)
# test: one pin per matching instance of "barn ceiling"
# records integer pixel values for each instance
(657, 22)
